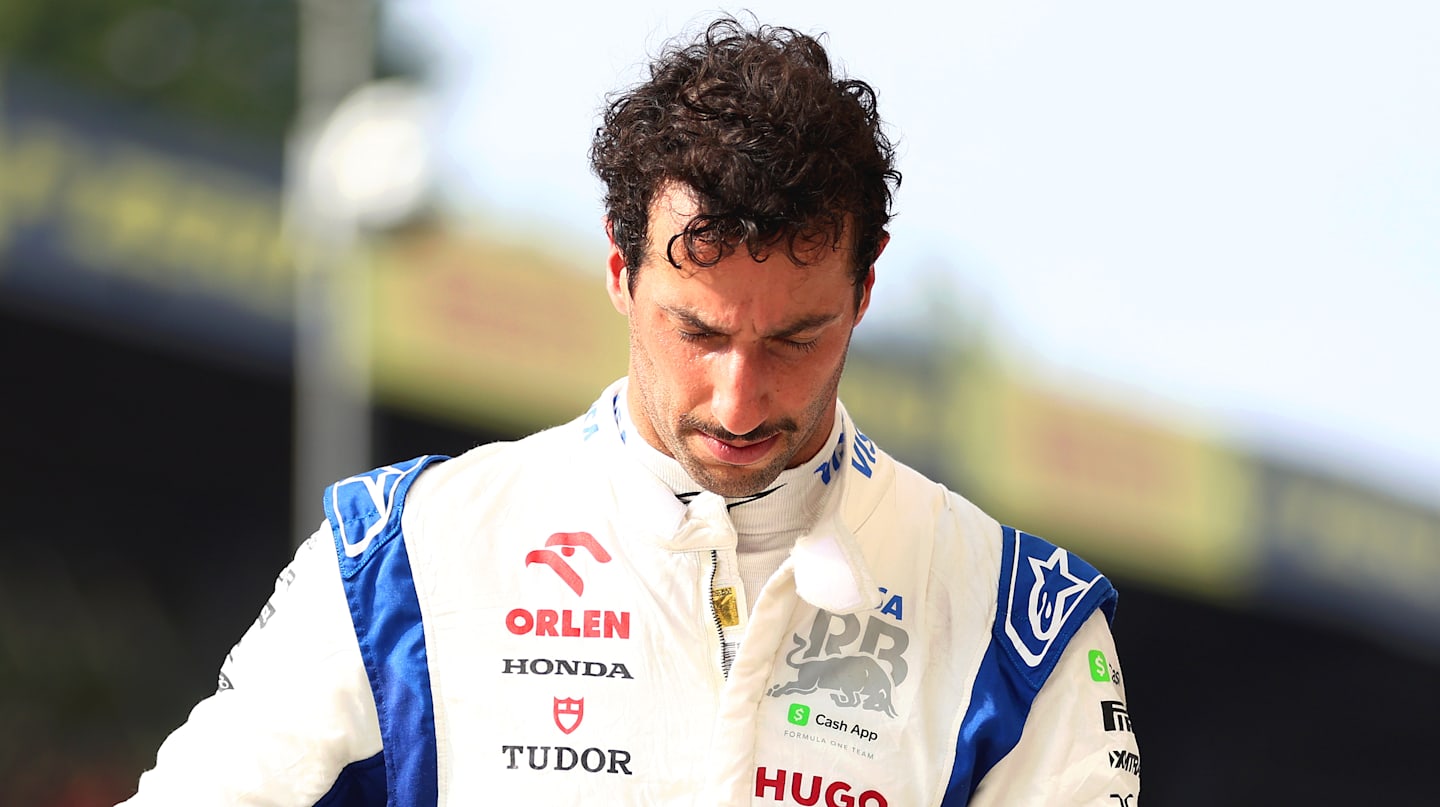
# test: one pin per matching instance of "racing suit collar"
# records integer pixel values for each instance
(776, 516)
(828, 563)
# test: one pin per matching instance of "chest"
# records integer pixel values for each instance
(570, 662)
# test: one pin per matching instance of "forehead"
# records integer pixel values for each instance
(676, 207)
(803, 263)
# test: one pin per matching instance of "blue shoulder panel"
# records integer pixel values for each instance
(361, 784)
(364, 513)
(1044, 595)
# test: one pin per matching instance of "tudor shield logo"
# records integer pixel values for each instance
(568, 713)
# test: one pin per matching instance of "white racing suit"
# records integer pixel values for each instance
(534, 623)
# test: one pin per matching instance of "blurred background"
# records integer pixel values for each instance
(1163, 287)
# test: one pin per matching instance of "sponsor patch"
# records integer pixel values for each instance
(568, 713)
(587, 624)
(545, 666)
(859, 668)
(809, 789)
(1125, 760)
(894, 604)
(1099, 667)
(864, 455)
(565, 758)
(844, 726)
(827, 468)
(799, 714)
(370, 494)
(1042, 588)
(1116, 717)
(562, 545)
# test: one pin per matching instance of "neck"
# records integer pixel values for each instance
(792, 502)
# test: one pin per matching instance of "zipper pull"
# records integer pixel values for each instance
(728, 603)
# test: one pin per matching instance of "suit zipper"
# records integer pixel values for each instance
(727, 657)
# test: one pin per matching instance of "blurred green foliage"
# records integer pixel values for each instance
(227, 62)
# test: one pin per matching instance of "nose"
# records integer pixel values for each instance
(740, 391)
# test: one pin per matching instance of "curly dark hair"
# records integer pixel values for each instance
(775, 146)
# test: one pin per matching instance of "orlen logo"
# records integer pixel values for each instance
(588, 624)
(549, 622)
(836, 793)
(857, 677)
(568, 541)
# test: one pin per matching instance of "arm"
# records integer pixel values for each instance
(294, 706)
(1078, 746)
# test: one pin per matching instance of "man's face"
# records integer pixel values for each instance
(734, 368)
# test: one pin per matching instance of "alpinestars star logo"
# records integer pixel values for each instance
(1044, 587)
(568, 713)
(379, 487)
(1051, 594)
(568, 542)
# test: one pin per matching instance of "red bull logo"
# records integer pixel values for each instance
(838, 656)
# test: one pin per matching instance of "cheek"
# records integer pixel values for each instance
(689, 378)
(674, 372)
(813, 376)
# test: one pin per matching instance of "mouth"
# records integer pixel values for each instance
(739, 452)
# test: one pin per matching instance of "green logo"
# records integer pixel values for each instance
(1099, 667)
(799, 714)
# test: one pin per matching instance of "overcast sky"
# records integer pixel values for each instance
(1230, 209)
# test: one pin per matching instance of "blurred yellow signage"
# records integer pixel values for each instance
(109, 207)
(1355, 545)
(1139, 498)
(480, 330)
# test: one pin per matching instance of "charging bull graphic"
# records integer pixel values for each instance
(856, 677)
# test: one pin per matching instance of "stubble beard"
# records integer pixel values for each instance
(733, 481)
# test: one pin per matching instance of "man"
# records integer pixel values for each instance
(712, 588)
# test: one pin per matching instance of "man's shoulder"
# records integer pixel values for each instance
(918, 494)
(1046, 593)
(540, 455)
(1042, 590)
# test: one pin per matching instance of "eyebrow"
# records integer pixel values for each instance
(693, 320)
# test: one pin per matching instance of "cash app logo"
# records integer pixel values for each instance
(1099, 667)
(799, 714)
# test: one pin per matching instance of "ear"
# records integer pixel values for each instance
(864, 306)
(869, 282)
(616, 277)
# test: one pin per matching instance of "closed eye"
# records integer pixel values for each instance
(801, 345)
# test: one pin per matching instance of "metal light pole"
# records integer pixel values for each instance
(332, 408)
(359, 163)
